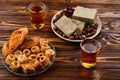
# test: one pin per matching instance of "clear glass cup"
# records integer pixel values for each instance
(90, 49)
(37, 12)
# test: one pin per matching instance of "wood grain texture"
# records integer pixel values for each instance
(13, 16)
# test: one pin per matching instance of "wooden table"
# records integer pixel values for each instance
(67, 67)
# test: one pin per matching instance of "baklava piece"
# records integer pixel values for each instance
(9, 59)
(15, 66)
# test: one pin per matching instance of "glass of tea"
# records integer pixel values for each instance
(90, 49)
(37, 12)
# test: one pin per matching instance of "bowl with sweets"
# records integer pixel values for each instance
(75, 24)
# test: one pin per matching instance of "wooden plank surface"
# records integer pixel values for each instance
(13, 16)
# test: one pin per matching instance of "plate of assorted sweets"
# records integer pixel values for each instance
(27, 56)
(76, 23)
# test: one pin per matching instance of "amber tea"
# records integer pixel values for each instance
(90, 49)
(37, 12)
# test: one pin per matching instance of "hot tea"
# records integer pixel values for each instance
(90, 48)
(37, 12)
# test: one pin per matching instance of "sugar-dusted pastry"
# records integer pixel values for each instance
(17, 53)
(35, 49)
(45, 61)
(22, 59)
(27, 68)
(29, 42)
(44, 47)
(9, 59)
(36, 64)
(32, 56)
(15, 65)
(17, 38)
(39, 55)
(43, 41)
(49, 53)
(5, 50)
(27, 52)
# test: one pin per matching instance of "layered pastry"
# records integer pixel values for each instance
(28, 68)
(43, 41)
(32, 56)
(22, 59)
(9, 59)
(17, 38)
(15, 66)
(45, 61)
(17, 53)
(39, 55)
(44, 47)
(36, 64)
(26, 52)
(29, 42)
(5, 50)
(35, 49)
(49, 53)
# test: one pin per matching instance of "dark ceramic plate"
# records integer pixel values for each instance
(20, 73)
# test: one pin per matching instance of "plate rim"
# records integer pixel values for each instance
(66, 39)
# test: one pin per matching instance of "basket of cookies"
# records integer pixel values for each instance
(27, 56)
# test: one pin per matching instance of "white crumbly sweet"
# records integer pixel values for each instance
(80, 25)
(66, 25)
(85, 14)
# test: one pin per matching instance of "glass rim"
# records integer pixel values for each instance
(96, 42)
(37, 4)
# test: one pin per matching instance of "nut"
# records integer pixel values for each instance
(76, 37)
(82, 37)
(63, 35)
(71, 37)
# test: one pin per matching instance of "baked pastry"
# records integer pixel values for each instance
(22, 59)
(49, 53)
(32, 56)
(27, 68)
(35, 49)
(9, 59)
(45, 61)
(26, 52)
(5, 50)
(44, 47)
(36, 64)
(29, 42)
(15, 65)
(17, 38)
(43, 41)
(17, 53)
(39, 55)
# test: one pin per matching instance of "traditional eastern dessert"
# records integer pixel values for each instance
(15, 65)
(5, 50)
(66, 25)
(44, 60)
(76, 23)
(28, 55)
(17, 38)
(85, 14)
(9, 59)
(26, 52)
(17, 53)
(35, 49)
(49, 53)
